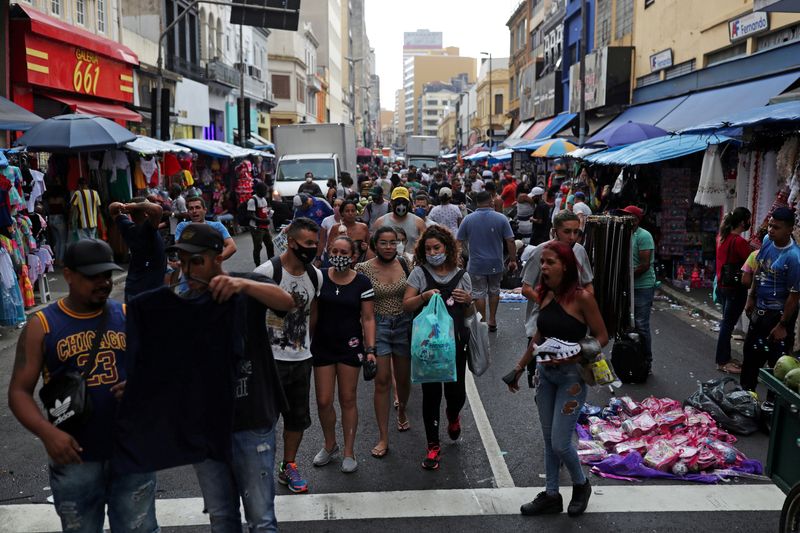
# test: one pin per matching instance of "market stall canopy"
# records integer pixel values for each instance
(582, 153)
(149, 146)
(554, 148)
(645, 114)
(770, 114)
(363, 152)
(219, 148)
(16, 118)
(449, 156)
(75, 133)
(3, 160)
(475, 149)
(628, 133)
(93, 107)
(256, 141)
(478, 156)
(500, 155)
(557, 125)
(516, 135)
(655, 150)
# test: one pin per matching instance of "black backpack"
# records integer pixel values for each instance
(629, 360)
(277, 272)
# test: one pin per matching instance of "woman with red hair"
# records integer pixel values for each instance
(567, 313)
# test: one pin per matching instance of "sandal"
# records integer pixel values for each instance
(730, 368)
(379, 453)
(403, 426)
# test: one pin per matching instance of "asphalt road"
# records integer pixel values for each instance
(395, 494)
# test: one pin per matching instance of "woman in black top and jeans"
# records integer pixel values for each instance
(566, 313)
(437, 272)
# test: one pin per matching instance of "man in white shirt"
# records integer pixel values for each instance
(581, 209)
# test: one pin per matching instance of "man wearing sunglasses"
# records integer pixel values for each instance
(259, 395)
(59, 339)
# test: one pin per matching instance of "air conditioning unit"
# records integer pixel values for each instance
(254, 71)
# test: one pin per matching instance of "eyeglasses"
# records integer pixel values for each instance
(388, 243)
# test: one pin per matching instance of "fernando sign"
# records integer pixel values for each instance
(748, 25)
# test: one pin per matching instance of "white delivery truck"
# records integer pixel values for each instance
(422, 150)
(326, 150)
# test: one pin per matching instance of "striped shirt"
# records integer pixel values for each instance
(87, 204)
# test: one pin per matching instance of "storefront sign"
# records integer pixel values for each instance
(661, 60)
(748, 25)
(547, 100)
(56, 65)
(527, 77)
(191, 103)
(608, 72)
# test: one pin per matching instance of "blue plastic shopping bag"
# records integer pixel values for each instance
(433, 344)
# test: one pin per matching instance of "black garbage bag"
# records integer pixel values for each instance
(734, 409)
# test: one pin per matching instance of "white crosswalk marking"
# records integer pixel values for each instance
(39, 518)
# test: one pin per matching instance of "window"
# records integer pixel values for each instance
(649, 79)
(648, 3)
(301, 91)
(55, 7)
(726, 53)
(80, 12)
(498, 104)
(512, 86)
(679, 70)
(624, 18)
(101, 16)
(603, 13)
(281, 86)
(778, 38)
(431, 112)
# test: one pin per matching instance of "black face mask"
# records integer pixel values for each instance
(305, 255)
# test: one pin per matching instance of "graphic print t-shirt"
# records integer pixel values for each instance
(289, 334)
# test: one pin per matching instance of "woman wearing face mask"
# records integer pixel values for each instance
(403, 250)
(340, 346)
(437, 272)
(348, 226)
(325, 230)
(388, 272)
(732, 251)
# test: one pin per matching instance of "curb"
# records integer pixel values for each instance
(704, 310)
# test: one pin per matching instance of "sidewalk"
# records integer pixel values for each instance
(695, 300)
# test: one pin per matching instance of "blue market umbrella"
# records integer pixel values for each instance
(75, 133)
(629, 133)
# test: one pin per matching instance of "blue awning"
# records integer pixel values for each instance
(770, 114)
(558, 123)
(650, 113)
(708, 105)
(529, 145)
(14, 117)
(655, 150)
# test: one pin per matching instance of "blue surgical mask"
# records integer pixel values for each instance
(420, 212)
(436, 260)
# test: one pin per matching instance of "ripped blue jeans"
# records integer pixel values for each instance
(250, 476)
(81, 492)
(560, 394)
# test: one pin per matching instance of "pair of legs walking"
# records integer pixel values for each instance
(326, 380)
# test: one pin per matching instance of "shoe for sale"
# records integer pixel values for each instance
(580, 499)
(454, 428)
(543, 504)
(431, 461)
(289, 476)
(324, 456)
(349, 465)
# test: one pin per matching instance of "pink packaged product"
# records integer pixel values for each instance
(639, 445)
(591, 451)
(644, 421)
(703, 460)
(726, 454)
(668, 421)
(598, 425)
(629, 406)
(661, 456)
(611, 437)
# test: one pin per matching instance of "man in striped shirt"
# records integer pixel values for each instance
(85, 204)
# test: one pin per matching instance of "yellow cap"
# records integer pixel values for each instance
(400, 192)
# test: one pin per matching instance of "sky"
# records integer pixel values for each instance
(474, 26)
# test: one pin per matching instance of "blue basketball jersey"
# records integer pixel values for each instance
(68, 339)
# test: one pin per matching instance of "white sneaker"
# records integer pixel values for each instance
(349, 465)
(324, 456)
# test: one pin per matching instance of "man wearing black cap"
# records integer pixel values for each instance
(59, 339)
(773, 298)
(259, 395)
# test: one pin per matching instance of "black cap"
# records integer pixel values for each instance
(197, 238)
(90, 257)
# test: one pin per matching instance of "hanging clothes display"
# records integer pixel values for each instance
(149, 167)
(118, 172)
(608, 243)
(12, 311)
(711, 191)
(38, 188)
(244, 182)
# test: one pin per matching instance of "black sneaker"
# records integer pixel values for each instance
(543, 504)
(580, 499)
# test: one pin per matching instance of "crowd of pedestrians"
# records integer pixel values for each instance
(339, 301)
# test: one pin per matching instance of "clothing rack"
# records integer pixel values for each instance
(608, 244)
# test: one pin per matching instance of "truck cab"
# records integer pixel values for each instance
(291, 171)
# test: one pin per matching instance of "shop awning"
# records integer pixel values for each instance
(478, 156)
(517, 134)
(655, 150)
(650, 113)
(55, 29)
(149, 146)
(474, 150)
(500, 155)
(363, 152)
(536, 129)
(529, 145)
(16, 118)
(708, 105)
(559, 123)
(256, 141)
(219, 148)
(92, 107)
(771, 114)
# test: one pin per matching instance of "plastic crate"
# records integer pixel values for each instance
(783, 458)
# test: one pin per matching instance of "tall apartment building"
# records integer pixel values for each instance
(326, 19)
(415, 43)
(435, 100)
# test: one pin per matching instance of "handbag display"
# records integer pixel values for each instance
(65, 396)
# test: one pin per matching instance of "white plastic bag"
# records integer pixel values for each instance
(479, 353)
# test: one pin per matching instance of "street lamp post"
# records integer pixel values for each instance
(491, 97)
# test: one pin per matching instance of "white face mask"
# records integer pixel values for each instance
(401, 247)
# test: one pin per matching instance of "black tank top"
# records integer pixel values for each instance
(554, 322)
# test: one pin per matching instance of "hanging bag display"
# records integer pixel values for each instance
(479, 354)
(433, 344)
(65, 396)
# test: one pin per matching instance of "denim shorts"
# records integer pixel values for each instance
(393, 334)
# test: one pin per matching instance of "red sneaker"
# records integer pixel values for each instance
(454, 428)
(431, 461)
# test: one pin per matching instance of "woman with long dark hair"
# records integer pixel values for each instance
(566, 313)
(437, 272)
(732, 251)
